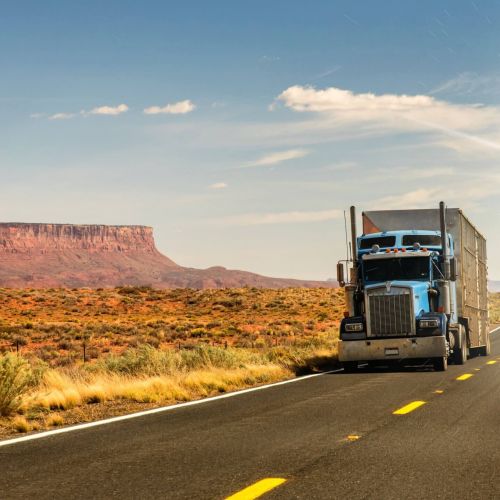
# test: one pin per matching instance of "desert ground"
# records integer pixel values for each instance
(72, 355)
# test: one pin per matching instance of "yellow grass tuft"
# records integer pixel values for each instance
(20, 424)
(54, 420)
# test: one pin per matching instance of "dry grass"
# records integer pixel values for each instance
(494, 307)
(20, 424)
(206, 372)
(61, 392)
(54, 420)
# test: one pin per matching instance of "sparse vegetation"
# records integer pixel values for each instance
(54, 420)
(69, 352)
(20, 424)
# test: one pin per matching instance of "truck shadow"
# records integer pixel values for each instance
(404, 367)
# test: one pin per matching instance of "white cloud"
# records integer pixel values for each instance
(418, 172)
(280, 218)
(465, 190)
(108, 110)
(333, 99)
(469, 83)
(419, 198)
(278, 157)
(395, 113)
(177, 108)
(218, 185)
(62, 116)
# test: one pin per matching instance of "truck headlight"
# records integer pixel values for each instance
(354, 327)
(429, 323)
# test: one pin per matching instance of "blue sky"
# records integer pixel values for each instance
(241, 130)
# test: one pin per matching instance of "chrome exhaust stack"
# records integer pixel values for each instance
(444, 284)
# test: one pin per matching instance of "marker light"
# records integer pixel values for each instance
(387, 250)
(424, 250)
(396, 250)
(403, 249)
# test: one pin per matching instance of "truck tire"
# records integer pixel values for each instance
(440, 364)
(460, 355)
(350, 366)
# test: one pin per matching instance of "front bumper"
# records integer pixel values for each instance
(393, 348)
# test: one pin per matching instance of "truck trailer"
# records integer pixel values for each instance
(416, 291)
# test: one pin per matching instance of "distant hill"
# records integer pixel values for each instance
(67, 255)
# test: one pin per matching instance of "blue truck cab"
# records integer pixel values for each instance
(402, 301)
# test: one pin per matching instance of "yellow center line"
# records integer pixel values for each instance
(492, 362)
(477, 369)
(257, 489)
(465, 376)
(353, 437)
(408, 408)
(438, 391)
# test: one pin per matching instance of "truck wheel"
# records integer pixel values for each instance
(440, 364)
(460, 355)
(350, 366)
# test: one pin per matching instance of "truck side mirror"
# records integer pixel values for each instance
(453, 269)
(340, 274)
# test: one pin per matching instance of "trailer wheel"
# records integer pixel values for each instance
(460, 355)
(440, 364)
(350, 366)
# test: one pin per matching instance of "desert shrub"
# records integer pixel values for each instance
(144, 360)
(20, 424)
(16, 377)
(54, 420)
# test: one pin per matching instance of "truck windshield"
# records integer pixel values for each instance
(397, 268)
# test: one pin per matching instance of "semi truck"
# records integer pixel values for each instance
(415, 289)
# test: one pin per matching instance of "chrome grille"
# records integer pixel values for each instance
(390, 313)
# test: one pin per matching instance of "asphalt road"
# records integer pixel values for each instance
(332, 436)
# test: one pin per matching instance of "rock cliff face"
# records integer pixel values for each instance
(39, 238)
(68, 255)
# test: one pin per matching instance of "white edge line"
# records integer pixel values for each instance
(162, 409)
(495, 330)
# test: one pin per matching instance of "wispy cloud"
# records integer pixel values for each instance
(218, 185)
(478, 188)
(108, 110)
(256, 219)
(326, 73)
(469, 83)
(278, 157)
(176, 108)
(394, 113)
(418, 172)
(62, 116)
